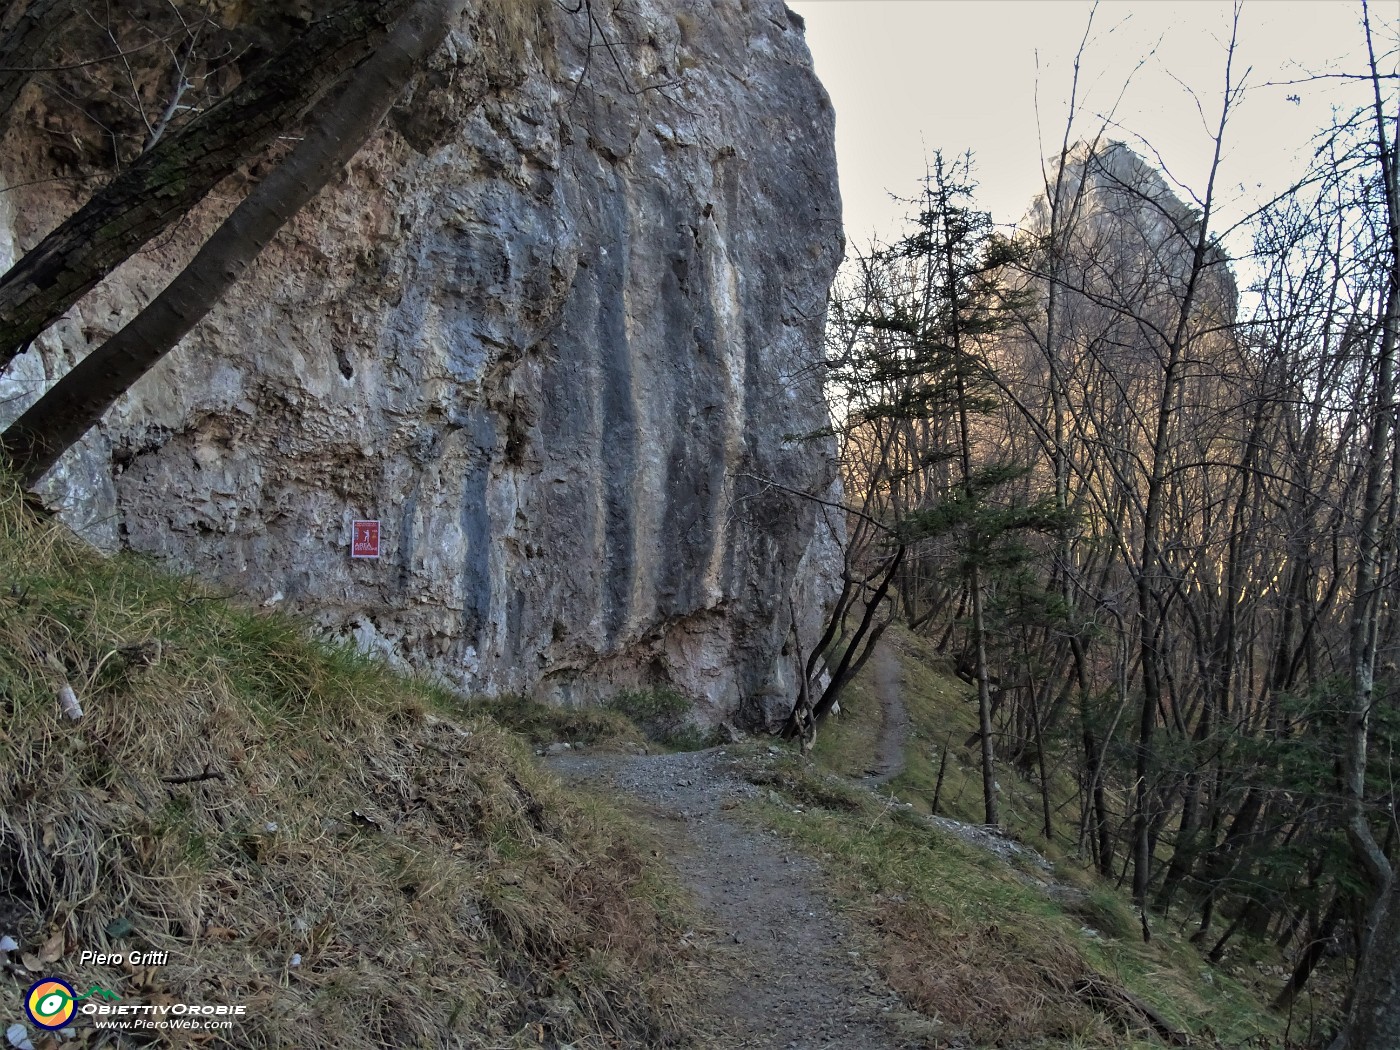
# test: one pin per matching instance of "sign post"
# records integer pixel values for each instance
(364, 539)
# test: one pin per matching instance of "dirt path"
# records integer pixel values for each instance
(894, 719)
(797, 980)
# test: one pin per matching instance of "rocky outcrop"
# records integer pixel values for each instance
(556, 328)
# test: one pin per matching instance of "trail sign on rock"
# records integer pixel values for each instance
(364, 539)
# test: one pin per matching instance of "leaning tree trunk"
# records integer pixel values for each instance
(335, 133)
(178, 172)
(22, 48)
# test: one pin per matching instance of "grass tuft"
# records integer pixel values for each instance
(546, 724)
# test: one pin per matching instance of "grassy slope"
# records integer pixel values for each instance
(438, 890)
(960, 934)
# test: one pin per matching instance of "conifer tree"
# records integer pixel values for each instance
(925, 352)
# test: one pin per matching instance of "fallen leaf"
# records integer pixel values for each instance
(52, 950)
(144, 979)
(31, 963)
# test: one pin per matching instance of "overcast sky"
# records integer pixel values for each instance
(909, 76)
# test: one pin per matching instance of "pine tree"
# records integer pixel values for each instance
(926, 351)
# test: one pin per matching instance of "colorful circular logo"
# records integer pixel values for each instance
(50, 1003)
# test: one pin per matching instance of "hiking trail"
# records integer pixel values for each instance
(795, 976)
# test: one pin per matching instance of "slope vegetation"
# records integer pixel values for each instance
(303, 833)
(1001, 947)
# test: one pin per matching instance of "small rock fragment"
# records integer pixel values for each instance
(68, 700)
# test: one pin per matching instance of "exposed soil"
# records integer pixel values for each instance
(894, 719)
(795, 977)
(889, 750)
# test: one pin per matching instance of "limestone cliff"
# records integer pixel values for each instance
(551, 328)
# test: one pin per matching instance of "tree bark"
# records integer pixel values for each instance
(1374, 1022)
(176, 174)
(336, 131)
(24, 46)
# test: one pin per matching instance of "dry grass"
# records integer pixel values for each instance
(438, 890)
(960, 935)
(511, 31)
(953, 931)
(541, 723)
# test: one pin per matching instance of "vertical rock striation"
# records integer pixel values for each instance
(555, 328)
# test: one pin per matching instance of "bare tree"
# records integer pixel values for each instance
(1374, 1019)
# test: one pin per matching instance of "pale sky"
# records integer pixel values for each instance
(909, 76)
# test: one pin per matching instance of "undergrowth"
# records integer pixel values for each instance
(1000, 953)
(304, 832)
(662, 714)
(546, 724)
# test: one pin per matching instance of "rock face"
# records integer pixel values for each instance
(556, 328)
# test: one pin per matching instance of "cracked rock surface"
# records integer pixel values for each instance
(556, 328)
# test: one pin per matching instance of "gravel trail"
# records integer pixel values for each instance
(797, 980)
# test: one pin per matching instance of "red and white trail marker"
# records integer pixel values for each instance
(364, 539)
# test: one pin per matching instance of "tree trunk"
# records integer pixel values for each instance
(1374, 1021)
(861, 645)
(24, 46)
(1152, 565)
(338, 128)
(174, 175)
(1374, 526)
(984, 702)
(1310, 956)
